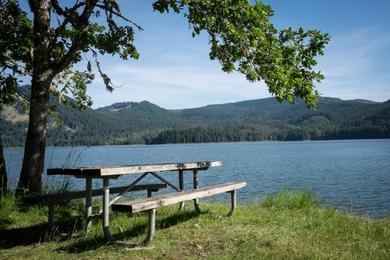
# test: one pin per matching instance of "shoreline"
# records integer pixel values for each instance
(205, 143)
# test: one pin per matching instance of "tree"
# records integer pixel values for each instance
(12, 24)
(242, 38)
(54, 51)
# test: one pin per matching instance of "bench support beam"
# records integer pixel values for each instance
(117, 197)
(164, 180)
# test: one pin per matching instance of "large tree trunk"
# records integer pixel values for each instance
(3, 171)
(34, 150)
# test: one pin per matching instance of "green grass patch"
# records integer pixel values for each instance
(286, 225)
(296, 200)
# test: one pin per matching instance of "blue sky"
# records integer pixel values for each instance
(174, 70)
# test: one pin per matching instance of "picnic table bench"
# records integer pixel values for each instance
(51, 200)
(149, 204)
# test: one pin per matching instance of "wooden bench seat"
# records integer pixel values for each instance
(151, 204)
(56, 198)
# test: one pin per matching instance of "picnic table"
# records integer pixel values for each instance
(113, 172)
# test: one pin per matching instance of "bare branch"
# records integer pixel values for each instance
(57, 8)
(120, 16)
(13, 65)
(68, 17)
(106, 79)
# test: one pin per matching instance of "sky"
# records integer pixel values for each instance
(174, 70)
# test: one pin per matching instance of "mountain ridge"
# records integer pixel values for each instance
(250, 120)
(359, 100)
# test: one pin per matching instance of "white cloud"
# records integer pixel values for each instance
(350, 54)
(179, 86)
(194, 78)
(353, 66)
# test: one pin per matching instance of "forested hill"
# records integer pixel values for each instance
(262, 119)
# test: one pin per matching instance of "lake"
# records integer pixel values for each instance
(351, 175)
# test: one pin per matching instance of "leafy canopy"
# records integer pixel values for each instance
(242, 38)
(78, 33)
(15, 45)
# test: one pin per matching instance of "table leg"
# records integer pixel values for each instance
(106, 209)
(196, 201)
(149, 193)
(88, 203)
(152, 226)
(233, 202)
(181, 186)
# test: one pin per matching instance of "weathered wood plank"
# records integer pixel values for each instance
(171, 198)
(86, 171)
(66, 196)
(158, 167)
(128, 169)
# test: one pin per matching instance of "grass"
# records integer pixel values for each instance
(286, 225)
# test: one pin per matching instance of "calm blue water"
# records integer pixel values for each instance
(352, 175)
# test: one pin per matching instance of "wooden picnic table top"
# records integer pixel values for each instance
(95, 171)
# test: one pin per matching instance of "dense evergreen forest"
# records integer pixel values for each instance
(254, 120)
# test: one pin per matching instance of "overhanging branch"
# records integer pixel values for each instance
(83, 22)
(103, 7)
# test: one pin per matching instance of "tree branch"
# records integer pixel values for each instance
(57, 8)
(120, 16)
(67, 16)
(75, 47)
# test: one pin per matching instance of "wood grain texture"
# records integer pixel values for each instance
(129, 169)
(139, 205)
